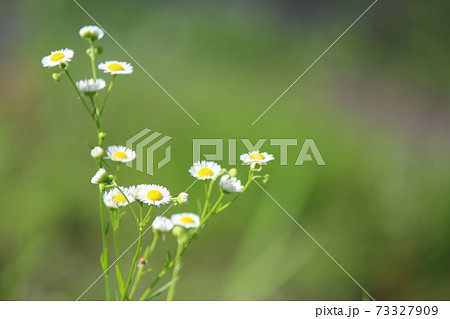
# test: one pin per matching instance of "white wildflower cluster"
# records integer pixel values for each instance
(140, 201)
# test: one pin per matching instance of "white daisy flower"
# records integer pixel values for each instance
(162, 224)
(90, 86)
(116, 67)
(120, 154)
(187, 220)
(205, 170)
(57, 57)
(230, 184)
(134, 190)
(256, 157)
(97, 152)
(91, 31)
(154, 194)
(99, 177)
(114, 198)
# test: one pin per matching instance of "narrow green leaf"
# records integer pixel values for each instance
(168, 258)
(108, 226)
(104, 259)
(120, 280)
(121, 216)
(199, 207)
(160, 290)
(146, 271)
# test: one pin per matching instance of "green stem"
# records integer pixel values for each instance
(207, 195)
(217, 203)
(176, 270)
(107, 93)
(94, 75)
(78, 93)
(117, 172)
(94, 112)
(116, 242)
(92, 56)
(148, 216)
(105, 247)
(147, 255)
(133, 266)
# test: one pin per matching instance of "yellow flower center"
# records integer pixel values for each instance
(257, 156)
(186, 220)
(57, 56)
(115, 67)
(119, 198)
(119, 155)
(205, 171)
(154, 195)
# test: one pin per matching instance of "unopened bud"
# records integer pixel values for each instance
(98, 50)
(99, 177)
(256, 167)
(56, 76)
(182, 198)
(232, 172)
(177, 231)
(97, 152)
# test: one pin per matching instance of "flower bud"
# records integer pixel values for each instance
(232, 172)
(178, 231)
(256, 167)
(98, 50)
(56, 76)
(85, 34)
(99, 177)
(97, 152)
(182, 198)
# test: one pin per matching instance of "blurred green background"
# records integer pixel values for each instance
(376, 105)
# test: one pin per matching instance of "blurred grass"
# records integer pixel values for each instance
(376, 109)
